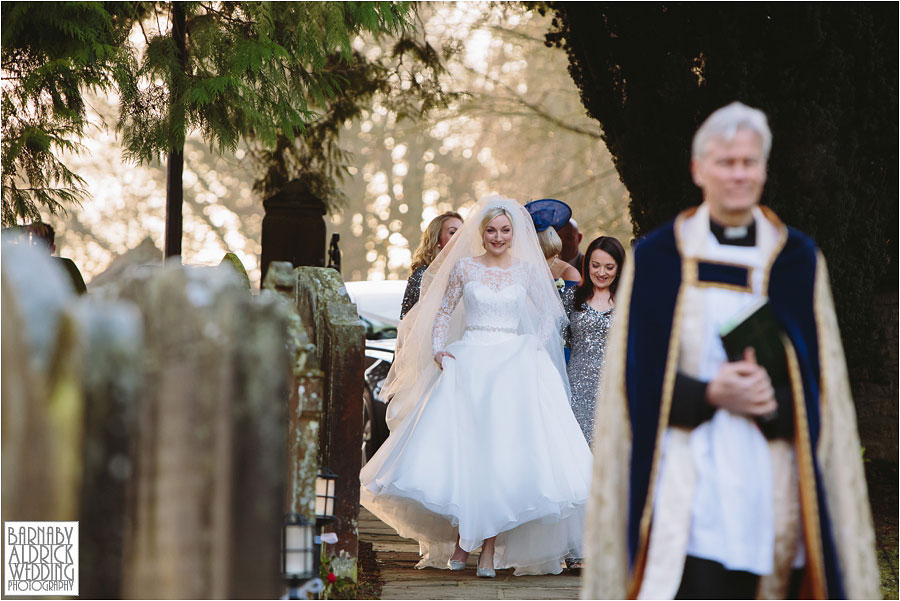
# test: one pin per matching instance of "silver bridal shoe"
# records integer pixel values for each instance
(485, 572)
(456, 564)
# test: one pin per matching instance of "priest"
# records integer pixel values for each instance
(711, 478)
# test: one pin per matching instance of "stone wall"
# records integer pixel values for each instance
(327, 342)
(339, 336)
(306, 394)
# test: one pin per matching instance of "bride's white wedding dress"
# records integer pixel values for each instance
(492, 448)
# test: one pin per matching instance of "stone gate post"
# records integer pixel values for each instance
(340, 340)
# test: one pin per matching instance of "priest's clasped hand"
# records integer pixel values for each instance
(743, 387)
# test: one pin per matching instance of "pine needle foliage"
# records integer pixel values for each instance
(249, 69)
(824, 73)
(51, 54)
(406, 81)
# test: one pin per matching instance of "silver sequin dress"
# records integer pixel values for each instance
(413, 284)
(586, 337)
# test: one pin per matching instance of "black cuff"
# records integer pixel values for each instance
(689, 406)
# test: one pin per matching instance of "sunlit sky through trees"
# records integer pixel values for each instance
(521, 131)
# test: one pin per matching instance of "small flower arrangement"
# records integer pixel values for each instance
(338, 573)
(560, 283)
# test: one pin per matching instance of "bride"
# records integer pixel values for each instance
(484, 449)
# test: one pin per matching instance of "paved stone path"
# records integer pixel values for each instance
(396, 557)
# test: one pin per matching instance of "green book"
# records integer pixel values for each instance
(757, 327)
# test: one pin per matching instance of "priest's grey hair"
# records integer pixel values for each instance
(724, 124)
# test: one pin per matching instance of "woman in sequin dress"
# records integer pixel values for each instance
(435, 236)
(589, 307)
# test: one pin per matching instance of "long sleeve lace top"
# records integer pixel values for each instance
(496, 300)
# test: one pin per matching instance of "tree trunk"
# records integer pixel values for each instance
(175, 164)
(174, 202)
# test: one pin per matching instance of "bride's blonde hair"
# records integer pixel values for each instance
(492, 213)
(428, 245)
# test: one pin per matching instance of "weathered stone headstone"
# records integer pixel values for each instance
(41, 406)
(70, 373)
(209, 452)
(233, 261)
(110, 343)
(152, 412)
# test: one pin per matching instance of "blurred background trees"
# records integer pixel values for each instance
(229, 70)
(517, 128)
(470, 103)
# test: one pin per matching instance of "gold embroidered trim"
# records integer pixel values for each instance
(821, 278)
(815, 563)
(782, 240)
(689, 271)
(624, 291)
(734, 287)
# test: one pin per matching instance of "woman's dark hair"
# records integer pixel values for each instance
(585, 289)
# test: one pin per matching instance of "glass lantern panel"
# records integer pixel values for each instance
(299, 563)
(295, 537)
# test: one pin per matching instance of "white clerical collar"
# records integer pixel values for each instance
(742, 235)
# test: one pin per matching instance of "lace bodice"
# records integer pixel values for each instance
(494, 299)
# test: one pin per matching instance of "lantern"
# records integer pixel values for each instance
(299, 552)
(325, 483)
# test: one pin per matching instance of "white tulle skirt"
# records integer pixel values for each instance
(492, 449)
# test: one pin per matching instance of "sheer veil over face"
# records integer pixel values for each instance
(414, 371)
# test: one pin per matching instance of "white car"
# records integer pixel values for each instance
(378, 306)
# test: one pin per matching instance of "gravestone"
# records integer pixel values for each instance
(293, 228)
(205, 515)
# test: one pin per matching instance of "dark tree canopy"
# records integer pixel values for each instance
(824, 73)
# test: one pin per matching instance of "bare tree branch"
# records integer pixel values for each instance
(533, 107)
(583, 183)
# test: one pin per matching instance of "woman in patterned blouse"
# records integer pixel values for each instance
(435, 236)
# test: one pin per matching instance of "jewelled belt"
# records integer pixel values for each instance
(491, 329)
